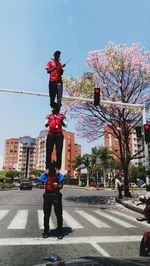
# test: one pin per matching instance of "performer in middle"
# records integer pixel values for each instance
(55, 122)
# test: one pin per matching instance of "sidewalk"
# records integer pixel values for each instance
(131, 203)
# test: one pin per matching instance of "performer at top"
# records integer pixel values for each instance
(55, 68)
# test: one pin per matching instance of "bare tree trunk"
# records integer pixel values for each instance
(126, 181)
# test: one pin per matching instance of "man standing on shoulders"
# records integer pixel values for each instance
(55, 122)
(55, 68)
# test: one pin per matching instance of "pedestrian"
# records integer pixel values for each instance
(52, 197)
(55, 68)
(118, 186)
(55, 122)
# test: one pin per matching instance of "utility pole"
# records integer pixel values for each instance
(27, 163)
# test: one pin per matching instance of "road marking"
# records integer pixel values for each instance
(41, 220)
(69, 240)
(3, 213)
(70, 221)
(114, 219)
(100, 249)
(96, 222)
(130, 218)
(19, 221)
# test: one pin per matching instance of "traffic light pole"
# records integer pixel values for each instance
(147, 167)
(73, 98)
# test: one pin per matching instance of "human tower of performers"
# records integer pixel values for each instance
(52, 178)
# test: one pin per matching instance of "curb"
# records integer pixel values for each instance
(84, 188)
(130, 206)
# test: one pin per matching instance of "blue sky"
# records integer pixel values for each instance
(30, 32)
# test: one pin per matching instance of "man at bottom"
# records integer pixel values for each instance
(53, 197)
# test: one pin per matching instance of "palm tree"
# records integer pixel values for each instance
(83, 162)
(102, 157)
(86, 160)
(77, 165)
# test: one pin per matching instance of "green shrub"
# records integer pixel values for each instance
(73, 182)
(6, 186)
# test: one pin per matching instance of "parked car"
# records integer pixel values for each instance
(141, 183)
(26, 184)
(95, 184)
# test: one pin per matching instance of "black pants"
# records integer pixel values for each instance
(52, 198)
(55, 88)
(120, 189)
(54, 139)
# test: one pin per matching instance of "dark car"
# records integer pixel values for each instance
(25, 184)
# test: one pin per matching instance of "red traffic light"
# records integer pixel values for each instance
(96, 96)
(97, 90)
(147, 133)
(147, 126)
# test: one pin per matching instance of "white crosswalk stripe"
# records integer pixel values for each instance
(75, 219)
(129, 217)
(3, 213)
(114, 219)
(91, 219)
(41, 220)
(19, 221)
(70, 221)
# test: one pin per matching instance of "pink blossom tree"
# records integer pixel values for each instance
(123, 74)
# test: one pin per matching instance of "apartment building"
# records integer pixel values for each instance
(41, 150)
(135, 145)
(19, 154)
(26, 153)
(70, 151)
(11, 153)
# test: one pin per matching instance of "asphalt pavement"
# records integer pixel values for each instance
(131, 203)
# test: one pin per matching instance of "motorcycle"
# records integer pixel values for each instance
(145, 241)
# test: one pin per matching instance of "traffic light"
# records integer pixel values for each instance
(96, 96)
(138, 132)
(147, 133)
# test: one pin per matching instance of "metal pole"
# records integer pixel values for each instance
(146, 150)
(27, 163)
(72, 98)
